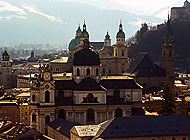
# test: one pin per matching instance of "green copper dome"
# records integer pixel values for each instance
(84, 34)
(78, 30)
(74, 43)
(120, 34)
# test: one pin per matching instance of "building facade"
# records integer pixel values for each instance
(181, 13)
(87, 98)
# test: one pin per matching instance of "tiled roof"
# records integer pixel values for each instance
(89, 84)
(147, 126)
(97, 45)
(63, 60)
(65, 84)
(121, 83)
(87, 130)
(62, 126)
(143, 66)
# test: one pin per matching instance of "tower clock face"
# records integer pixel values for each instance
(46, 76)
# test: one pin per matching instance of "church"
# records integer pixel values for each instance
(87, 97)
(103, 85)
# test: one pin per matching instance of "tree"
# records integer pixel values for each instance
(167, 105)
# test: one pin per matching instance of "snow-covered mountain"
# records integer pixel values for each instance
(55, 21)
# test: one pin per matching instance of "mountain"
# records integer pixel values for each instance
(55, 21)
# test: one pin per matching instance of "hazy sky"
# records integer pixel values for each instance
(137, 6)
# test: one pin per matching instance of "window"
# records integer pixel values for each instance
(170, 53)
(123, 70)
(90, 115)
(116, 53)
(96, 71)
(33, 118)
(87, 72)
(47, 96)
(104, 71)
(57, 69)
(33, 98)
(123, 53)
(25, 113)
(109, 70)
(47, 119)
(118, 112)
(78, 72)
(62, 113)
(90, 98)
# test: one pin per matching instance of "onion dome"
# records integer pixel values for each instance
(107, 37)
(84, 33)
(78, 30)
(86, 57)
(74, 43)
(32, 58)
(5, 56)
(120, 33)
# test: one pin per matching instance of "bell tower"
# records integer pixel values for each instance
(6, 70)
(120, 48)
(168, 53)
(42, 102)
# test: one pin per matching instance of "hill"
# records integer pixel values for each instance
(151, 43)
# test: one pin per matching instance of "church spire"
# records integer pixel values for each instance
(120, 26)
(84, 26)
(168, 29)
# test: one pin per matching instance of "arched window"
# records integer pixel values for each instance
(87, 72)
(62, 114)
(104, 71)
(33, 98)
(47, 119)
(123, 70)
(118, 112)
(90, 98)
(47, 96)
(170, 53)
(90, 115)
(109, 70)
(97, 72)
(123, 53)
(33, 118)
(78, 72)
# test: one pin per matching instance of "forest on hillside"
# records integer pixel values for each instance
(150, 41)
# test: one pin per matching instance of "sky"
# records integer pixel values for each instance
(144, 7)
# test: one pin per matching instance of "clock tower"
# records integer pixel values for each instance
(42, 100)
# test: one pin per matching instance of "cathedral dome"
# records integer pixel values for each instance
(86, 57)
(74, 43)
(32, 58)
(120, 33)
